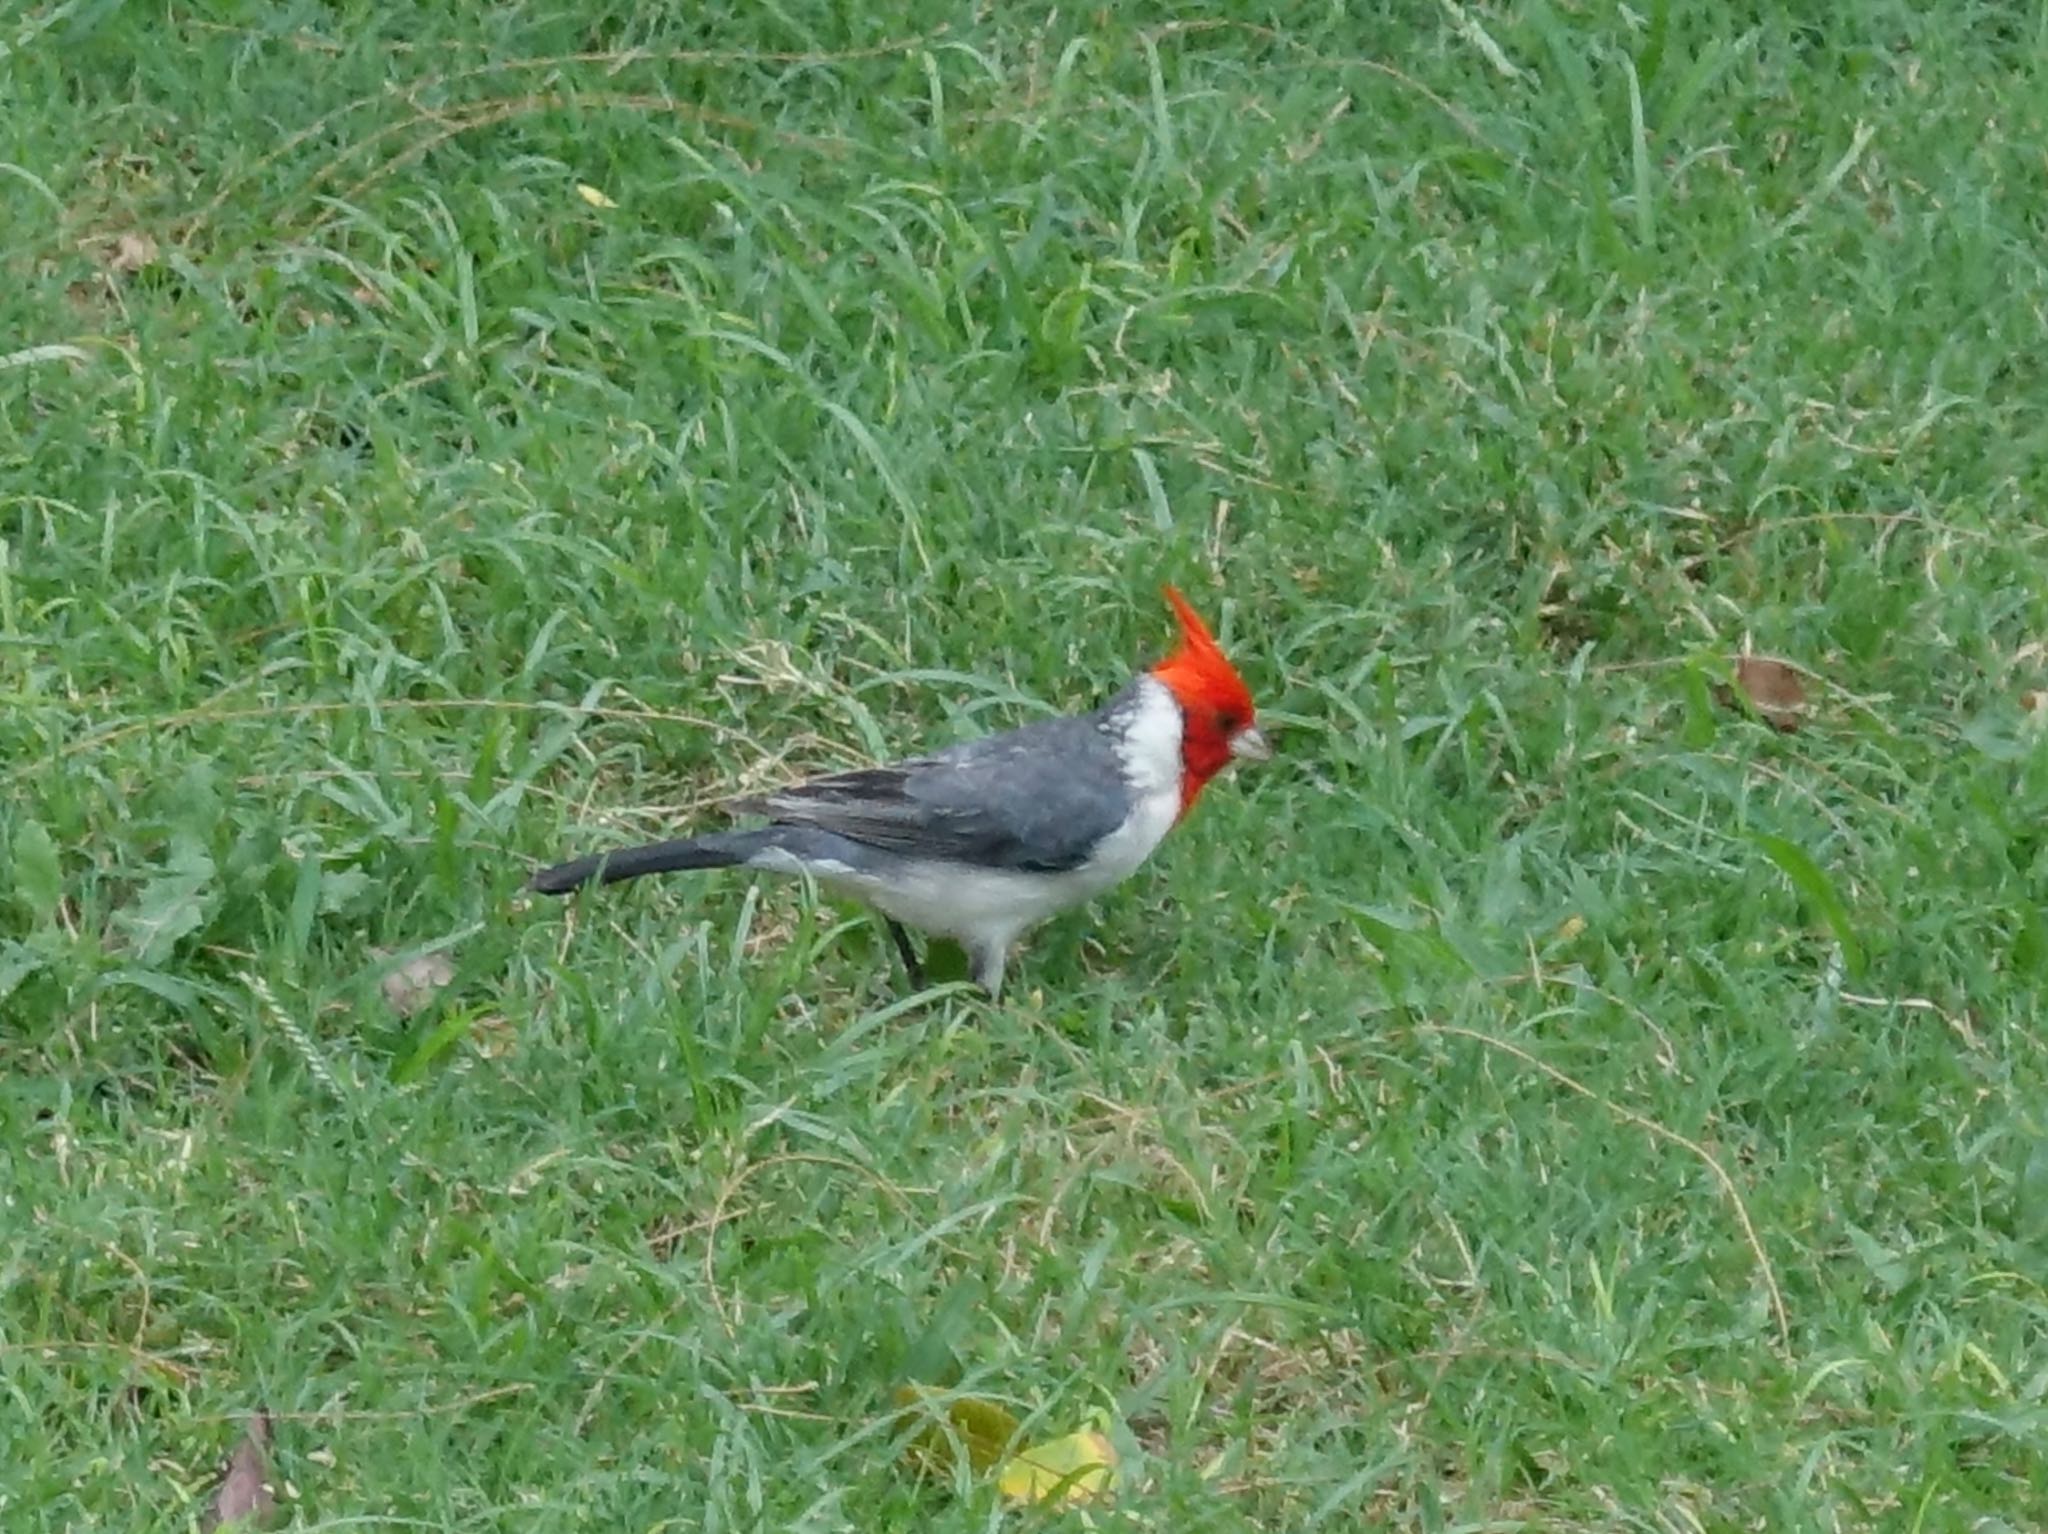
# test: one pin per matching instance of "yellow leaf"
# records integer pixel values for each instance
(593, 196)
(982, 1429)
(1077, 1468)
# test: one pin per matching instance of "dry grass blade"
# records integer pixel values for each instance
(1669, 1136)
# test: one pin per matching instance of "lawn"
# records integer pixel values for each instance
(435, 440)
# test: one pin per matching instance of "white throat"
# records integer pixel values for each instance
(1149, 749)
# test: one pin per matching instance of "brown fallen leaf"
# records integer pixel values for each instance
(1774, 690)
(2033, 700)
(244, 1494)
(493, 1036)
(415, 982)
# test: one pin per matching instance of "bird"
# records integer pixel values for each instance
(983, 840)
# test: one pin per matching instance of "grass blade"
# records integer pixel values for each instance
(1819, 892)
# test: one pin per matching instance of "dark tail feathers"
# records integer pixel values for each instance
(719, 849)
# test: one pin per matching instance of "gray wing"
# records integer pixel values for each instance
(1037, 799)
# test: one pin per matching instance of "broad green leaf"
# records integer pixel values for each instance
(1819, 892)
(1699, 707)
(179, 993)
(2030, 942)
(339, 887)
(1886, 1266)
(2031, 1196)
(17, 962)
(1077, 1468)
(305, 903)
(173, 905)
(199, 804)
(1994, 733)
(38, 875)
(932, 1358)
(438, 1041)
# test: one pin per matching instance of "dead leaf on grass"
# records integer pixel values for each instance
(131, 251)
(950, 1427)
(1076, 1468)
(493, 1036)
(1774, 689)
(416, 982)
(244, 1494)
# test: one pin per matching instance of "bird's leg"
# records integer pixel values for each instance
(911, 966)
(985, 962)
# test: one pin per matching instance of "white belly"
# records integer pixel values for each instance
(983, 905)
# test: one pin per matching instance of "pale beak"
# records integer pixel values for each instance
(1250, 745)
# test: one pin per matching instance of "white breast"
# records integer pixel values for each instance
(1150, 755)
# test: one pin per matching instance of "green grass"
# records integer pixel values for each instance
(1546, 1098)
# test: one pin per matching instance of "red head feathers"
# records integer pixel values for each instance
(1216, 707)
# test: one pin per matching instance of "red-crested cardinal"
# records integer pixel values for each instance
(986, 839)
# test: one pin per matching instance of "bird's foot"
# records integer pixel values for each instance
(911, 965)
